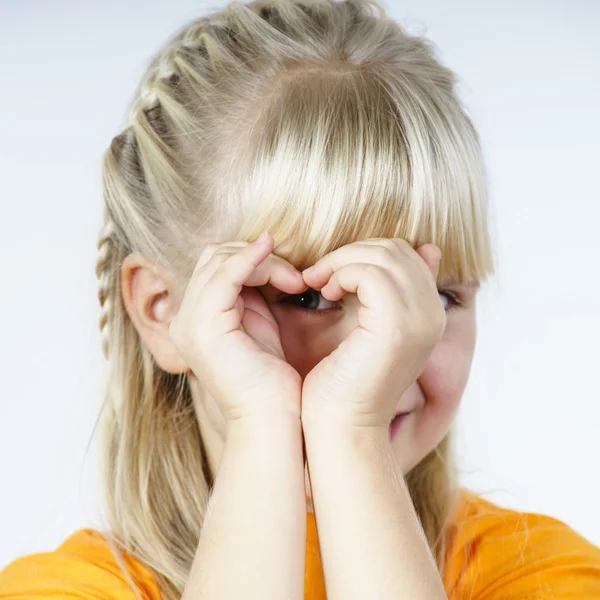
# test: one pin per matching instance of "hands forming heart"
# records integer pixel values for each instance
(229, 338)
(400, 320)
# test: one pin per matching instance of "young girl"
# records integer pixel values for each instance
(271, 431)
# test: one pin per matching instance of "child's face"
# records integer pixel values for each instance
(432, 399)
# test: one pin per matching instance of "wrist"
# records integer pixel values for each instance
(274, 445)
(342, 422)
(325, 431)
(265, 426)
(339, 416)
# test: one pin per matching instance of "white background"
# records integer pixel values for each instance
(530, 421)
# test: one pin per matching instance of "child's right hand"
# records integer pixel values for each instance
(228, 336)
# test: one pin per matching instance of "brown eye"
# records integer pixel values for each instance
(308, 302)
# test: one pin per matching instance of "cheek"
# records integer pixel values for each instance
(445, 377)
(441, 385)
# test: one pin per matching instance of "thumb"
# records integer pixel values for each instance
(432, 255)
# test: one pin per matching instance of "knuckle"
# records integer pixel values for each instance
(387, 256)
(208, 250)
(373, 270)
(401, 243)
(385, 252)
(389, 244)
(227, 266)
(396, 245)
(206, 257)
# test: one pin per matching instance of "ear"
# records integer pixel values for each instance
(150, 300)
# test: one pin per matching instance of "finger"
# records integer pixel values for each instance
(279, 273)
(253, 300)
(431, 255)
(246, 267)
(225, 284)
(206, 266)
(384, 252)
(214, 249)
(273, 268)
(372, 284)
(211, 249)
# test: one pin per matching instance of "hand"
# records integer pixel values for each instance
(400, 320)
(228, 336)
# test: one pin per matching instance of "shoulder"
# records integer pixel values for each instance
(495, 552)
(82, 567)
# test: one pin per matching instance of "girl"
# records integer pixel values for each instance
(273, 431)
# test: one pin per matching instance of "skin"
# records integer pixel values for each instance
(355, 468)
(433, 398)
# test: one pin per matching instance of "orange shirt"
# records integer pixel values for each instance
(494, 554)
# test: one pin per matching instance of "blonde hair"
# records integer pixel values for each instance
(321, 121)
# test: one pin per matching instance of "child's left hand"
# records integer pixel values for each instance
(400, 320)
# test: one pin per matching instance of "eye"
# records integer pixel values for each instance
(452, 299)
(305, 303)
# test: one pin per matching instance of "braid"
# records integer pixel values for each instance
(104, 273)
(210, 41)
(159, 86)
(112, 244)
